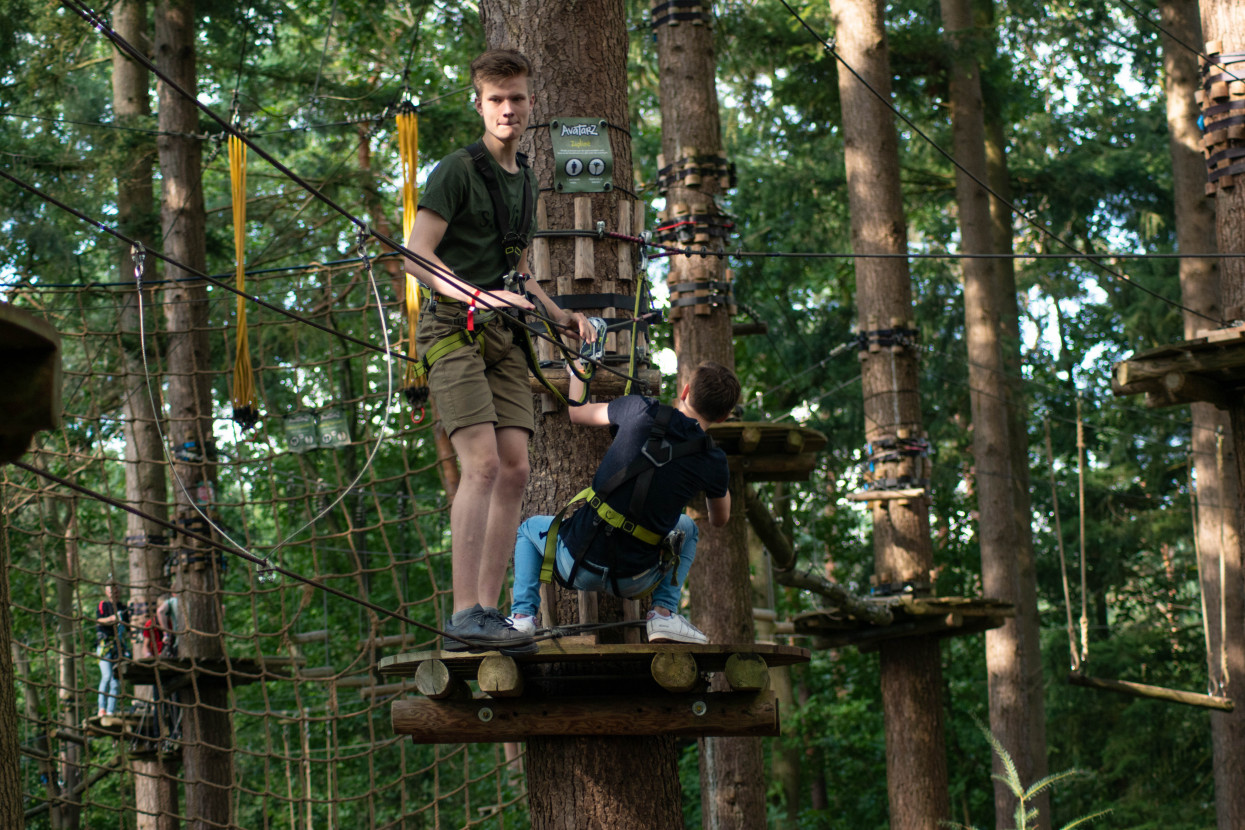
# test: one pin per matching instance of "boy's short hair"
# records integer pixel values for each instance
(714, 390)
(499, 65)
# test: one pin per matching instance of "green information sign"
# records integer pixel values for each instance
(334, 430)
(300, 431)
(582, 159)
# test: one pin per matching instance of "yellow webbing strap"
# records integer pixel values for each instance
(608, 514)
(408, 154)
(449, 343)
(243, 380)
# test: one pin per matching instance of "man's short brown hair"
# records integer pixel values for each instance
(499, 65)
(714, 390)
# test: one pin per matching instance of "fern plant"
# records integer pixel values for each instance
(1026, 815)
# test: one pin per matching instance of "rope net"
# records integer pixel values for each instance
(311, 742)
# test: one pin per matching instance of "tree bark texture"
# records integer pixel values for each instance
(911, 671)
(1218, 527)
(1012, 714)
(10, 775)
(579, 56)
(207, 729)
(146, 487)
(732, 770)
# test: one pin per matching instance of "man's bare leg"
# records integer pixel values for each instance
(476, 446)
(503, 513)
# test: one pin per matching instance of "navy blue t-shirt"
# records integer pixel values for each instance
(673, 486)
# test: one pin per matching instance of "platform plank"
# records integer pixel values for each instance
(623, 659)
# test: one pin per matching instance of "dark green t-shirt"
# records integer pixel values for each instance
(472, 245)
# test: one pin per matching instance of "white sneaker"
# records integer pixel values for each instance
(673, 629)
(523, 625)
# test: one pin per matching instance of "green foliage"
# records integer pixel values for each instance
(1026, 815)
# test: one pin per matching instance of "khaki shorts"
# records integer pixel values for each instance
(473, 385)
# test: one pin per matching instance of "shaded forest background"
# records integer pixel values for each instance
(1079, 88)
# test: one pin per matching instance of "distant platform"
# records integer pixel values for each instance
(764, 451)
(912, 617)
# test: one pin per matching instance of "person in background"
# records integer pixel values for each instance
(110, 633)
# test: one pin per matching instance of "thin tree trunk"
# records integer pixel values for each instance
(1218, 534)
(580, 65)
(10, 774)
(67, 811)
(1011, 715)
(207, 728)
(911, 671)
(155, 785)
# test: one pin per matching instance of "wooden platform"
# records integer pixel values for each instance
(1209, 368)
(769, 452)
(582, 689)
(911, 617)
(173, 674)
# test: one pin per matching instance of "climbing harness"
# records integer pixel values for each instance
(657, 452)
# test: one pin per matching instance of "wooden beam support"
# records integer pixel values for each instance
(717, 714)
(499, 677)
(747, 673)
(781, 551)
(434, 680)
(1126, 687)
(675, 671)
(887, 495)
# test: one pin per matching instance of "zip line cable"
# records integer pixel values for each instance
(1146, 18)
(1093, 258)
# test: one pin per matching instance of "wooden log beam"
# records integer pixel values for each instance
(675, 671)
(1139, 370)
(499, 676)
(843, 598)
(434, 680)
(766, 526)
(747, 673)
(718, 714)
(1153, 692)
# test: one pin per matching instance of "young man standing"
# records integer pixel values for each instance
(660, 459)
(476, 216)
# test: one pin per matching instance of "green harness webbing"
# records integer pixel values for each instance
(657, 452)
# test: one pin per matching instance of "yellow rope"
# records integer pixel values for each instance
(408, 154)
(244, 411)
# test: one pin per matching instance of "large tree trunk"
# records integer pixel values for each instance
(1218, 530)
(207, 728)
(580, 65)
(731, 769)
(155, 784)
(1010, 702)
(916, 763)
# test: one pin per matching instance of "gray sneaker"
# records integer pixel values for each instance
(485, 629)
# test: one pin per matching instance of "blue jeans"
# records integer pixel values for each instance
(109, 686)
(529, 552)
